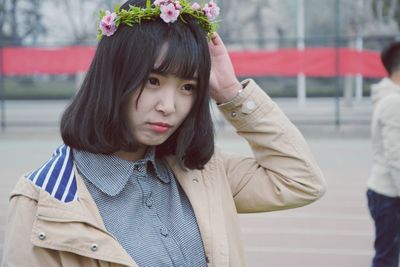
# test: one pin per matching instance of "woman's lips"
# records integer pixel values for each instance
(160, 127)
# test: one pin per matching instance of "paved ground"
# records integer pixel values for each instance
(317, 112)
(335, 231)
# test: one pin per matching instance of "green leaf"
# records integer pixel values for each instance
(117, 7)
(102, 13)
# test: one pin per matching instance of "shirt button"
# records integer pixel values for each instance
(195, 180)
(164, 232)
(42, 236)
(94, 247)
(149, 202)
(233, 114)
(250, 105)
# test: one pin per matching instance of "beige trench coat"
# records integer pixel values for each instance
(43, 231)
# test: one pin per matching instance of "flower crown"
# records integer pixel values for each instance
(168, 10)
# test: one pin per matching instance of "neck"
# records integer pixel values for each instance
(395, 77)
(132, 156)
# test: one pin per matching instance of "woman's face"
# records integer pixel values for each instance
(163, 105)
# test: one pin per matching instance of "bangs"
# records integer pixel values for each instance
(182, 57)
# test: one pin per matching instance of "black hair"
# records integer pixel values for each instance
(390, 57)
(96, 120)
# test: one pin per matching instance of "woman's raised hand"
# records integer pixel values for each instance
(224, 85)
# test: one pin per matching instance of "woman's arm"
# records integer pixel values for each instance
(283, 172)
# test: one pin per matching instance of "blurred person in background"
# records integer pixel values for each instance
(384, 183)
(137, 181)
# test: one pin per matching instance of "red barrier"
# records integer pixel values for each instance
(313, 62)
(19, 61)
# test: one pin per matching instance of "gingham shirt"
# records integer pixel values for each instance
(144, 207)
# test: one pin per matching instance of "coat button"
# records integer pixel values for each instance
(149, 202)
(94, 247)
(251, 105)
(195, 180)
(42, 236)
(233, 114)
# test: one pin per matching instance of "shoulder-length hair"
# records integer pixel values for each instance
(96, 120)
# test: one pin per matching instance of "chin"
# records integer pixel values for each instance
(153, 142)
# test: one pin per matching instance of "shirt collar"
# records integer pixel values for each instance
(110, 173)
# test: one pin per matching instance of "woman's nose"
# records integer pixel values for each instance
(166, 103)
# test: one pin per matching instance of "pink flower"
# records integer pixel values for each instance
(169, 13)
(107, 23)
(211, 10)
(158, 2)
(177, 5)
(196, 6)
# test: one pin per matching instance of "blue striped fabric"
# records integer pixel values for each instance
(56, 176)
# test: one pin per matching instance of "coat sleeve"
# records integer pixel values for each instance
(18, 248)
(390, 122)
(283, 173)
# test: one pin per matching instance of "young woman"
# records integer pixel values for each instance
(138, 181)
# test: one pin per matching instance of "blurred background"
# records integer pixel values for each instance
(316, 58)
(295, 49)
(291, 44)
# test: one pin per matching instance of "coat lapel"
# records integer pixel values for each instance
(192, 183)
(201, 192)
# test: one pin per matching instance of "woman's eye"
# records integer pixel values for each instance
(153, 81)
(189, 88)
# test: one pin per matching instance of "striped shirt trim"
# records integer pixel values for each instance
(57, 176)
